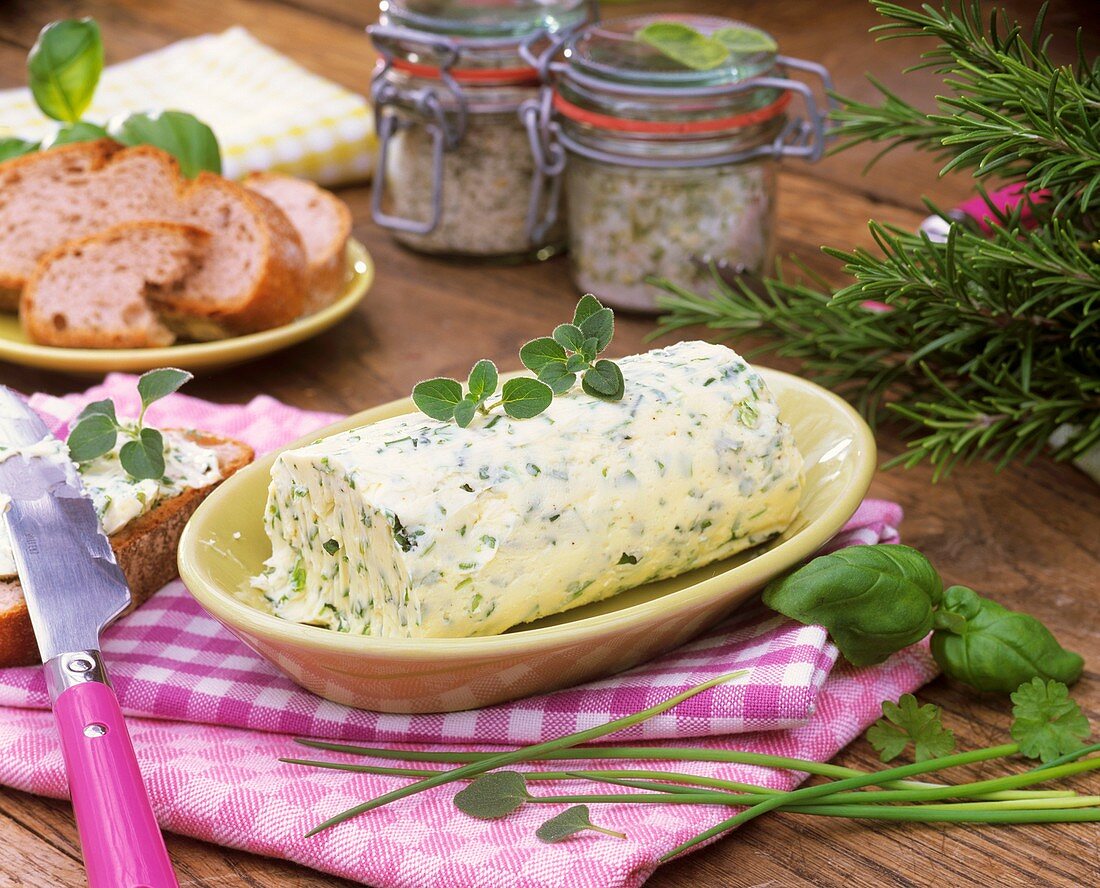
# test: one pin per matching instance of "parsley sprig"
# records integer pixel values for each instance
(97, 427)
(907, 722)
(557, 361)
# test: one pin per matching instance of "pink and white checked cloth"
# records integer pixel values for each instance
(210, 719)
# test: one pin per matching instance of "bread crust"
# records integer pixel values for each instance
(328, 273)
(39, 329)
(145, 550)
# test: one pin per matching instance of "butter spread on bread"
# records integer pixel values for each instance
(119, 498)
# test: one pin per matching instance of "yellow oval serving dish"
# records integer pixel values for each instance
(224, 544)
(194, 356)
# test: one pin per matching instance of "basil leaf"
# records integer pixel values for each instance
(523, 398)
(873, 600)
(106, 407)
(569, 336)
(600, 325)
(182, 135)
(92, 436)
(81, 131)
(992, 648)
(157, 384)
(587, 307)
(538, 353)
(464, 412)
(558, 377)
(745, 40)
(604, 380)
(684, 44)
(482, 381)
(63, 67)
(437, 397)
(143, 457)
(13, 147)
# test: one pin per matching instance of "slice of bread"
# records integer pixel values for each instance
(145, 549)
(96, 291)
(324, 223)
(252, 277)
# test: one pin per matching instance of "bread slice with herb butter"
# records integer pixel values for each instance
(144, 544)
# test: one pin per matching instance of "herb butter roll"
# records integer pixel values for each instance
(412, 527)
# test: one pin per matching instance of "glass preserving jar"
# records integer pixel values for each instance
(668, 169)
(455, 173)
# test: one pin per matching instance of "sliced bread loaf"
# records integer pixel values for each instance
(96, 291)
(324, 223)
(252, 276)
(145, 549)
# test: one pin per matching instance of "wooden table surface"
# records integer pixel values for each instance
(1029, 536)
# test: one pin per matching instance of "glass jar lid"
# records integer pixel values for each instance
(486, 18)
(635, 72)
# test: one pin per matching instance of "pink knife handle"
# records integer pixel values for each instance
(123, 847)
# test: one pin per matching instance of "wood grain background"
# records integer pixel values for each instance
(1029, 536)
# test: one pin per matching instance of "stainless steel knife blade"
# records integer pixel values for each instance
(66, 566)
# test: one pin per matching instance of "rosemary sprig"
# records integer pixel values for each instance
(990, 342)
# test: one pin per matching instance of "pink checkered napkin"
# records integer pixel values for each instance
(210, 718)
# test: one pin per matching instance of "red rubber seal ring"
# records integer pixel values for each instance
(501, 76)
(670, 127)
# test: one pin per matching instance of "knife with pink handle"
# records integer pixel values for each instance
(74, 589)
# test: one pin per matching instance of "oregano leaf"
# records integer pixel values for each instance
(600, 325)
(539, 353)
(569, 336)
(464, 412)
(604, 380)
(94, 435)
(106, 407)
(524, 397)
(586, 307)
(157, 384)
(558, 377)
(482, 381)
(437, 397)
(143, 457)
(576, 363)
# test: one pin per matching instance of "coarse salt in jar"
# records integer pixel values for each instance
(455, 173)
(668, 168)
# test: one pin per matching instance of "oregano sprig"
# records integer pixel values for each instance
(574, 349)
(97, 427)
(556, 360)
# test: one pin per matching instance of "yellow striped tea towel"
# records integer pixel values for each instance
(268, 112)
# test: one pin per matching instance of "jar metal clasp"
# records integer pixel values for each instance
(442, 110)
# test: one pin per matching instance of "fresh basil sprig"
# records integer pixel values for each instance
(63, 68)
(96, 429)
(989, 647)
(557, 360)
(876, 600)
(63, 71)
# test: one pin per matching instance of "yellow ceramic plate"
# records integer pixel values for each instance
(196, 356)
(224, 544)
